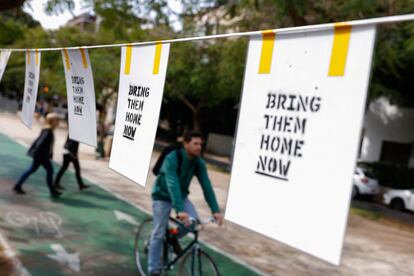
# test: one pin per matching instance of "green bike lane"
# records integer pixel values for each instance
(82, 233)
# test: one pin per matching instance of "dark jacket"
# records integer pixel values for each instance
(42, 147)
(72, 146)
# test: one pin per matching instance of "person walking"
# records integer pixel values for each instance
(171, 190)
(70, 154)
(42, 151)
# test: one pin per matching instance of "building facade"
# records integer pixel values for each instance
(388, 134)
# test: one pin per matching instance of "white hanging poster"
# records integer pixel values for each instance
(4, 57)
(141, 85)
(31, 86)
(80, 95)
(298, 134)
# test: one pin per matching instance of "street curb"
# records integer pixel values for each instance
(19, 269)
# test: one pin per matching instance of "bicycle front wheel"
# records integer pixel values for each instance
(142, 240)
(198, 263)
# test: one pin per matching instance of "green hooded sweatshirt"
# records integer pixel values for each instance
(174, 187)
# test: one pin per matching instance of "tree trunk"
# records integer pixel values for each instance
(9, 4)
(196, 120)
(100, 150)
(101, 121)
(195, 110)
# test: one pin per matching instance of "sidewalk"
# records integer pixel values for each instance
(370, 247)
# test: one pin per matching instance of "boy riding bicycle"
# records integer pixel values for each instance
(171, 189)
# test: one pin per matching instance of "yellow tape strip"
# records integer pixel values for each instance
(65, 52)
(128, 60)
(84, 61)
(268, 42)
(37, 57)
(28, 57)
(157, 58)
(342, 34)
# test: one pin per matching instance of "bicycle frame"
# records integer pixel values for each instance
(193, 245)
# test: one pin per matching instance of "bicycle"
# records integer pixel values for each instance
(193, 260)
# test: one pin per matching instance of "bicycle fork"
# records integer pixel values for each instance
(195, 253)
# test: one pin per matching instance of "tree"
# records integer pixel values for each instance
(393, 56)
(15, 26)
(202, 75)
(205, 76)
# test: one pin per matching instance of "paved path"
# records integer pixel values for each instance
(406, 217)
(77, 233)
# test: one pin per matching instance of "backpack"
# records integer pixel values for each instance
(157, 167)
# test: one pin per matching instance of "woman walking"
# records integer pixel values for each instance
(42, 151)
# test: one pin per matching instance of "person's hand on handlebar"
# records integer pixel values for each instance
(218, 218)
(184, 217)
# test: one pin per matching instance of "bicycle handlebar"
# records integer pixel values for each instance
(208, 220)
(195, 222)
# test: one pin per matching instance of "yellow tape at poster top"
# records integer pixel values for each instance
(37, 57)
(67, 61)
(342, 35)
(157, 58)
(84, 61)
(268, 42)
(128, 60)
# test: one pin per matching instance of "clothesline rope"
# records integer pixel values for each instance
(290, 30)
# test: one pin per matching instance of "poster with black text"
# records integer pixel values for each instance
(4, 57)
(80, 95)
(298, 134)
(141, 85)
(31, 86)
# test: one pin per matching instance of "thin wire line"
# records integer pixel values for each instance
(290, 30)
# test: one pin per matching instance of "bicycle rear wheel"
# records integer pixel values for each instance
(142, 240)
(198, 264)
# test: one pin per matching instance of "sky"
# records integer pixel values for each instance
(36, 9)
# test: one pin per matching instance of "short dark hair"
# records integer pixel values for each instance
(188, 136)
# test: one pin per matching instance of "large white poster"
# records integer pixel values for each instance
(81, 96)
(298, 135)
(141, 86)
(4, 57)
(31, 85)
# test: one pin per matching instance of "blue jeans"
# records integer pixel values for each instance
(161, 213)
(35, 165)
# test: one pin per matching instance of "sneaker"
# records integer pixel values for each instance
(83, 187)
(19, 190)
(59, 187)
(55, 194)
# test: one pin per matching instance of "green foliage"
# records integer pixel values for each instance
(13, 25)
(204, 75)
(205, 78)
(394, 64)
(59, 6)
(394, 52)
(10, 31)
(15, 29)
